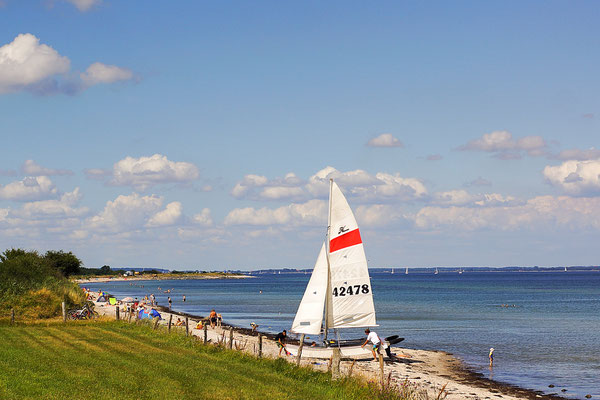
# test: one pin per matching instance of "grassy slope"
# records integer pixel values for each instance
(118, 360)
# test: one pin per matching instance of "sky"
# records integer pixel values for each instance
(202, 135)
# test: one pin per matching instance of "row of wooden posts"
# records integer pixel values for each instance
(334, 362)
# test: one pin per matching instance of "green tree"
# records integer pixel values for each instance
(13, 253)
(105, 270)
(67, 263)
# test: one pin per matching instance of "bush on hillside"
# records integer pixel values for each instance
(34, 285)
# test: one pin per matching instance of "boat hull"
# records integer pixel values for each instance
(355, 352)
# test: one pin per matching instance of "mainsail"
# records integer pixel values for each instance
(340, 280)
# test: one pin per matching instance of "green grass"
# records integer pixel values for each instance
(116, 360)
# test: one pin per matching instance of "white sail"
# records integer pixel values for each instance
(309, 317)
(350, 298)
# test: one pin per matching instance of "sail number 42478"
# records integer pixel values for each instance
(350, 290)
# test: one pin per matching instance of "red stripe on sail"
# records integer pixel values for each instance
(348, 239)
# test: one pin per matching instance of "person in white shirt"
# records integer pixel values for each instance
(375, 341)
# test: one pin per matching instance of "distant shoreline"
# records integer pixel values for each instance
(159, 277)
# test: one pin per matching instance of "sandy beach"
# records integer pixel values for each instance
(432, 371)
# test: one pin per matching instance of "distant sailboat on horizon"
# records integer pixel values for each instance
(436, 272)
(406, 271)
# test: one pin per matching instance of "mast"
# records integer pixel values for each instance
(327, 305)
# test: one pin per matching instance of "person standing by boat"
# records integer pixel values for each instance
(375, 341)
(280, 338)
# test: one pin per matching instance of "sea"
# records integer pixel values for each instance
(544, 326)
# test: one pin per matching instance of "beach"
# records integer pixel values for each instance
(432, 371)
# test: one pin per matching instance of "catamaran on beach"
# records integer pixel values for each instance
(339, 293)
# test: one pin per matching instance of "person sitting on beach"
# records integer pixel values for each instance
(179, 322)
(375, 341)
(280, 338)
(199, 325)
(213, 318)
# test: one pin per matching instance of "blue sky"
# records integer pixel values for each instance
(200, 135)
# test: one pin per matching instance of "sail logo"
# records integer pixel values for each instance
(343, 229)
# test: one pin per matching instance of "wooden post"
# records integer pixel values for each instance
(205, 333)
(64, 311)
(117, 314)
(187, 330)
(12, 316)
(381, 367)
(170, 319)
(259, 345)
(336, 358)
(231, 338)
(156, 321)
(299, 356)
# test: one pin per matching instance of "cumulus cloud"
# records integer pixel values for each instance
(126, 213)
(505, 147)
(578, 178)
(29, 189)
(65, 206)
(203, 218)
(312, 212)
(579, 155)
(169, 216)
(385, 140)
(102, 73)
(543, 212)
(144, 172)
(84, 5)
(358, 184)
(31, 168)
(25, 64)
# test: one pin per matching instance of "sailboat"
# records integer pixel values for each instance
(339, 293)
(406, 272)
(436, 272)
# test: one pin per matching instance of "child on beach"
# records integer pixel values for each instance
(491, 356)
(280, 338)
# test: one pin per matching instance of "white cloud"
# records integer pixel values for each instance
(102, 73)
(358, 184)
(578, 178)
(203, 218)
(579, 155)
(313, 212)
(84, 5)
(55, 208)
(169, 216)
(506, 147)
(540, 213)
(385, 140)
(144, 172)
(31, 168)
(28, 189)
(126, 213)
(25, 62)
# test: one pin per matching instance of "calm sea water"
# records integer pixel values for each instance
(550, 336)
